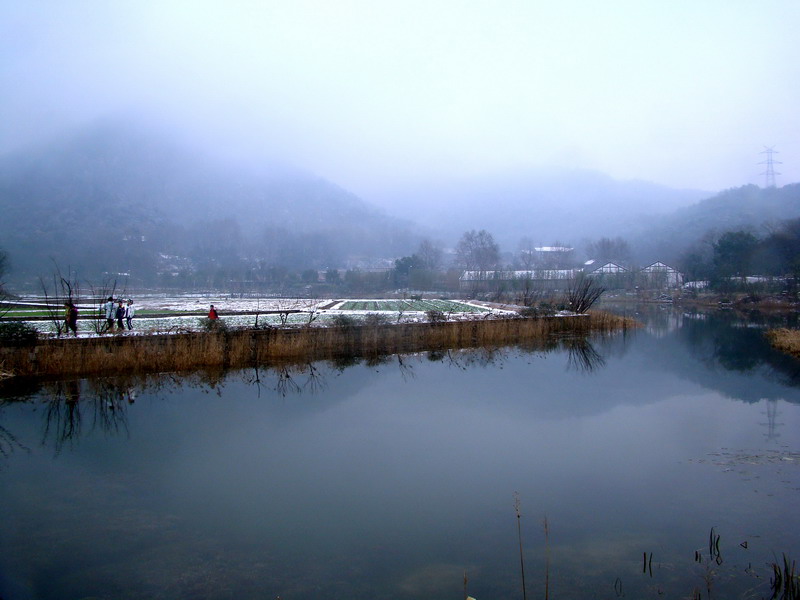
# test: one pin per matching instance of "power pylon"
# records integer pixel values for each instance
(769, 174)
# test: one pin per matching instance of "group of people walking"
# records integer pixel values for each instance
(120, 312)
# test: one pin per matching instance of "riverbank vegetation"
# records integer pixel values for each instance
(785, 340)
(225, 347)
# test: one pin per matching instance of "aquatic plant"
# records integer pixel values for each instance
(519, 537)
(785, 582)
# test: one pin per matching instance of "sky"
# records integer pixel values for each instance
(377, 94)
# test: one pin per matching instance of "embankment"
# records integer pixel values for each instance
(246, 347)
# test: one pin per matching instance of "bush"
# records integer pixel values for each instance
(16, 332)
(344, 321)
(210, 325)
(530, 312)
(435, 316)
(376, 319)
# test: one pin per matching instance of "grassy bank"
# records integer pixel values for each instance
(245, 347)
(785, 340)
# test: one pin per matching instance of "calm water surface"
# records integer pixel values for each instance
(394, 479)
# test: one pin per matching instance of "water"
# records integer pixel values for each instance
(394, 479)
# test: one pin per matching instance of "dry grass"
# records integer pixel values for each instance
(785, 340)
(241, 348)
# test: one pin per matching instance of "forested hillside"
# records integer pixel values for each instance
(748, 208)
(114, 200)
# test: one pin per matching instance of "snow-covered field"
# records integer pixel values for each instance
(245, 312)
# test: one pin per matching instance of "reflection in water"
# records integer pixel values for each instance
(583, 356)
(64, 413)
(104, 401)
(393, 480)
(9, 443)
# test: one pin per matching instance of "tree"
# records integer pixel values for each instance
(609, 250)
(477, 251)
(429, 254)
(403, 268)
(582, 293)
(332, 276)
(309, 276)
(733, 252)
(526, 253)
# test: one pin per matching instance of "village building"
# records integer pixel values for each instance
(610, 274)
(659, 275)
(546, 279)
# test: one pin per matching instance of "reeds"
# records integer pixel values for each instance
(246, 347)
(517, 509)
(785, 582)
(785, 340)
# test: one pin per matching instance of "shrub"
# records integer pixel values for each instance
(529, 311)
(344, 321)
(375, 319)
(210, 325)
(16, 332)
(435, 316)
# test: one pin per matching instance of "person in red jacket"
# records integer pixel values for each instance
(212, 314)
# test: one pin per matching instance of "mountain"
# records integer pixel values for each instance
(113, 199)
(546, 206)
(748, 208)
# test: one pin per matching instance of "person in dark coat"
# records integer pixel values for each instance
(120, 315)
(71, 317)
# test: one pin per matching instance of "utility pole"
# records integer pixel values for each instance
(769, 174)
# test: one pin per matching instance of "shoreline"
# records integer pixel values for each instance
(231, 348)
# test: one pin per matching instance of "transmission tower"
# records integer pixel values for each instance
(769, 174)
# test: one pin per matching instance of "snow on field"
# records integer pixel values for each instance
(248, 312)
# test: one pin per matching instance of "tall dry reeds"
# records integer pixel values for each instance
(240, 348)
(785, 340)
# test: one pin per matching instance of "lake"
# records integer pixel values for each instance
(664, 462)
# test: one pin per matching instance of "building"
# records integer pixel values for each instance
(547, 279)
(658, 276)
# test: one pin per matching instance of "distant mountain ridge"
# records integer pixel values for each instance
(113, 199)
(749, 208)
(547, 206)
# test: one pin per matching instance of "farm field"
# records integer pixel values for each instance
(164, 313)
(445, 306)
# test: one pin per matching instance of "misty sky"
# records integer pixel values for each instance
(372, 94)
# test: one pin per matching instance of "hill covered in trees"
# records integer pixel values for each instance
(113, 199)
(758, 211)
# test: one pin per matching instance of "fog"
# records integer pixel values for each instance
(379, 96)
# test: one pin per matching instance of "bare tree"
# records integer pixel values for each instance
(100, 294)
(477, 251)
(582, 293)
(526, 253)
(610, 249)
(58, 292)
(430, 254)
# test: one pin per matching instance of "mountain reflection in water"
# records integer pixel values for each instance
(393, 476)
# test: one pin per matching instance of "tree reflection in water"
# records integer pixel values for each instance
(9, 443)
(107, 399)
(79, 406)
(582, 355)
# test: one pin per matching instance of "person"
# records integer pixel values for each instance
(212, 314)
(120, 315)
(71, 317)
(108, 307)
(129, 312)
